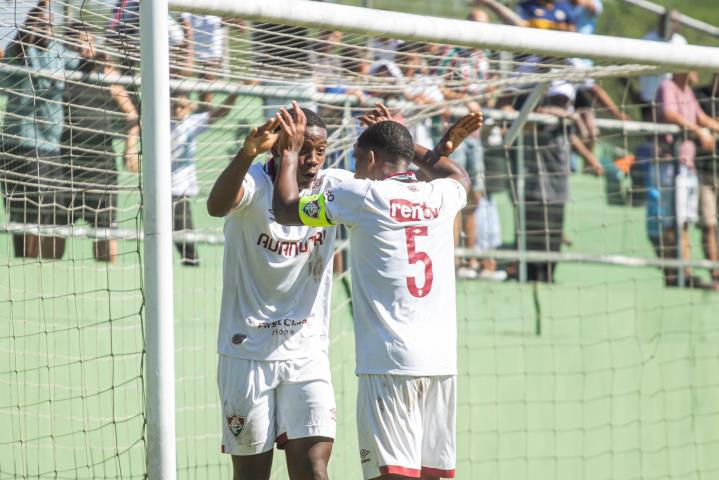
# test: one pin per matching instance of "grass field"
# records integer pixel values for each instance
(621, 382)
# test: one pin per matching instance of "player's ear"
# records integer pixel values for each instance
(371, 160)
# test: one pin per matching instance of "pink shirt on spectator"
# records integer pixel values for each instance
(671, 98)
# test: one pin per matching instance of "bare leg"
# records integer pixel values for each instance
(252, 467)
(307, 458)
(711, 247)
(105, 251)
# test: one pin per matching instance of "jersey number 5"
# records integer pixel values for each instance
(413, 256)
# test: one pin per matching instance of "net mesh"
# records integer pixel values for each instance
(591, 369)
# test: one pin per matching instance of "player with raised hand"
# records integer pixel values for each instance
(273, 370)
(403, 287)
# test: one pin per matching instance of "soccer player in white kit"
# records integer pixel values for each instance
(403, 288)
(273, 370)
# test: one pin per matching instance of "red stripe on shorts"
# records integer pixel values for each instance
(282, 440)
(437, 472)
(397, 470)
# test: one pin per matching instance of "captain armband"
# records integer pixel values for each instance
(313, 211)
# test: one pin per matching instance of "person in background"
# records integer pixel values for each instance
(677, 104)
(187, 125)
(667, 31)
(205, 36)
(33, 176)
(544, 14)
(708, 169)
(465, 73)
(547, 156)
(95, 114)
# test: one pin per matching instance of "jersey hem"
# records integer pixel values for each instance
(275, 359)
(409, 373)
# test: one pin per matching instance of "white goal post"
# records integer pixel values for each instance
(161, 436)
(406, 26)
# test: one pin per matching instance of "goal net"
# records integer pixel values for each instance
(586, 348)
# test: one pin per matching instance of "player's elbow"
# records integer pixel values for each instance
(463, 178)
(214, 209)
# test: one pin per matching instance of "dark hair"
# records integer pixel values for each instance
(313, 120)
(389, 137)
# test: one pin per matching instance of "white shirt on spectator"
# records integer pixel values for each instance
(184, 146)
(208, 36)
(649, 85)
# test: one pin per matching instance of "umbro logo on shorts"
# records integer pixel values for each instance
(364, 455)
(236, 424)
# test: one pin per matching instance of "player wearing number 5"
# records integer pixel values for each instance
(402, 258)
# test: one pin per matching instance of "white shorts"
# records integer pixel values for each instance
(406, 425)
(687, 196)
(268, 401)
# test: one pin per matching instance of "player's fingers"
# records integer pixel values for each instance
(287, 120)
(285, 128)
(383, 108)
(299, 114)
(272, 124)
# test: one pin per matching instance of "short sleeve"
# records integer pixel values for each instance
(200, 123)
(345, 202)
(454, 195)
(249, 184)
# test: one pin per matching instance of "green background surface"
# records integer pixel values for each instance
(622, 381)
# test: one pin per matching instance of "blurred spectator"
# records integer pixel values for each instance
(708, 169)
(123, 32)
(205, 36)
(667, 31)
(586, 13)
(186, 126)
(547, 160)
(677, 104)
(31, 134)
(465, 73)
(544, 14)
(420, 88)
(96, 113)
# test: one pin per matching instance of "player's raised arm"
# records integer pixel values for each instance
(286, 196)
(228, 191)
(435, 163)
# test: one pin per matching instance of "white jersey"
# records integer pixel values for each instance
(402, 258)
(277, 279)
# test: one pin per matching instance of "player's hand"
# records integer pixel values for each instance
(261, 139)
(456, 134)
(379, 114)
(292, 130)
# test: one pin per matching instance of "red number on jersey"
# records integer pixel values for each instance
(413, 257)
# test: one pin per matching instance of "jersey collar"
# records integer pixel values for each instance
(404, 177)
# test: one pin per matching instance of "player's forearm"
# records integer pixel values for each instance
(227, 191)
(286, 195)
(434, 165)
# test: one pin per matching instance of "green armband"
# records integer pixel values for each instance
(313, 211)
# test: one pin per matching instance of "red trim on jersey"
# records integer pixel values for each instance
(282, 440)
(406, 177)
(271, 169)
(397, 470)
(438, 472)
